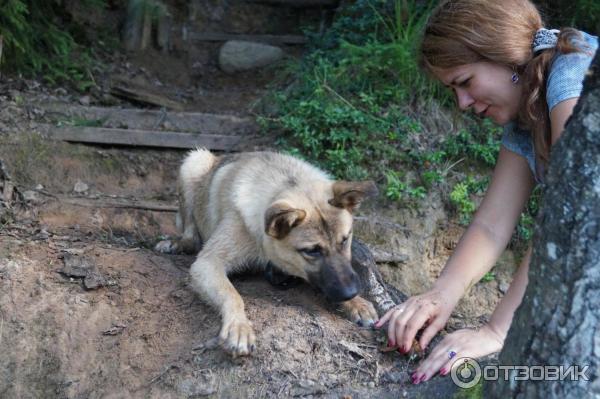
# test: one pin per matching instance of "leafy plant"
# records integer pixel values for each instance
(35, 41)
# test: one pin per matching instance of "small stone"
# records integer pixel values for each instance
(85, 100)
(371, 384)
(80, 187)
(503, 287)
(39, 187)
(31, 196)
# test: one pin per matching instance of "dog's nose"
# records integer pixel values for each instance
(344, 288)
(347, 292)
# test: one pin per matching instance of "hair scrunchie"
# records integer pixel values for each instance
(544, 39)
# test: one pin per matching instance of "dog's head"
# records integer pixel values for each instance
(309, 234)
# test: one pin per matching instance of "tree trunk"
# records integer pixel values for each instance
(558, 322)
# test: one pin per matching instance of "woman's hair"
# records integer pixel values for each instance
(462, 32)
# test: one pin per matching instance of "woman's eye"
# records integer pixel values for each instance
(465, 82)
(313, 252)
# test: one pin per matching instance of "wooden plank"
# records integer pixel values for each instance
(298, 3)
(144, 138)
(270, 39)
(148, 119)
(137, 93)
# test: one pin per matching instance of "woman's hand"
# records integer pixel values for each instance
(405, 320)
(461, 343)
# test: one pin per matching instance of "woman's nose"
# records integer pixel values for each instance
(464, 99)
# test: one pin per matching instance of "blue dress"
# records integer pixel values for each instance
(565, 81)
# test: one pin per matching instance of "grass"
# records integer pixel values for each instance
(355, 106)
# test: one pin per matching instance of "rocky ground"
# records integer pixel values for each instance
(89, 310)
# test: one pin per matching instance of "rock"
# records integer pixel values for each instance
(191, 387)
(503, 287)
(80, 187)
(31, 196)
(85, 100)
(236, 55)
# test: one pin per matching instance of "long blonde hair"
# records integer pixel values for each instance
(461, 32)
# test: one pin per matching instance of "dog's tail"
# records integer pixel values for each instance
(195, 167)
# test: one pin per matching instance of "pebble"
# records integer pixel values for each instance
(80, 187)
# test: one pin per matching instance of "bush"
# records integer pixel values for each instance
(35, 41)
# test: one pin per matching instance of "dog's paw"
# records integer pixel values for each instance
(166, 247)
(237, 337)
(360, 311)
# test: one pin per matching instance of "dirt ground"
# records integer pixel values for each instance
(129, 325)
(89, 310)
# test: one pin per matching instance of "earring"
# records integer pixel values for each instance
(515, 78)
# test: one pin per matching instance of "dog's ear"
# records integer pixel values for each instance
(281, 218)
(349, 194)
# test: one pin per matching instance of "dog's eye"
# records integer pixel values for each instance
(313, 252)
(344, 241)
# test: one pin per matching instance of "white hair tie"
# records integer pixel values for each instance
(544, 39)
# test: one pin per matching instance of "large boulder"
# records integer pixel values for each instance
(236, 55)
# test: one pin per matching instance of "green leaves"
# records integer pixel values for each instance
(37, 41)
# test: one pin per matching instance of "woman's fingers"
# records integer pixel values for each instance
(432, 329)
(397, 324)
(386, 317)
(412, 325)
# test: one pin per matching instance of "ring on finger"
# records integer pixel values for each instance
(451, 354)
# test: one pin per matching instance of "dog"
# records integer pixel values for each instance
(266, 208)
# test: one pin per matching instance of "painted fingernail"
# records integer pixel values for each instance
(443, 371)
(423, 378)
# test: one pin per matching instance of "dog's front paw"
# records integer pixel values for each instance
(360, 311)
(237, 337)
(166, 247)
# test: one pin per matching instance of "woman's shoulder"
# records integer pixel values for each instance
(567, 71)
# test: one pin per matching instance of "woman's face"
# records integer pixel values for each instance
(486, 88)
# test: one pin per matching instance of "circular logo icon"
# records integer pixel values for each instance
(466, 372)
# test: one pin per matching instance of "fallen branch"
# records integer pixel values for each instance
(117, 203)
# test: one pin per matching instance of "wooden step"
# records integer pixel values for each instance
(299, 3)
(141, 138)
(147, 119)
(268, 39)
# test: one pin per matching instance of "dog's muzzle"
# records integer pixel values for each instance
(337, 281)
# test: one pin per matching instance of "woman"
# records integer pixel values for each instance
(501, 64)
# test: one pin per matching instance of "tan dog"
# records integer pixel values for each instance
(262, 207)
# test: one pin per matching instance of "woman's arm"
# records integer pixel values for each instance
(559, 115)
(475, 254)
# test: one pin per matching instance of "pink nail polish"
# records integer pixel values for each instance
(423, 378)
(443, 371)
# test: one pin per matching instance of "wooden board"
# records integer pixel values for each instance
(270, 39)
(298, 3)
(147, 119)
(144, 138)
